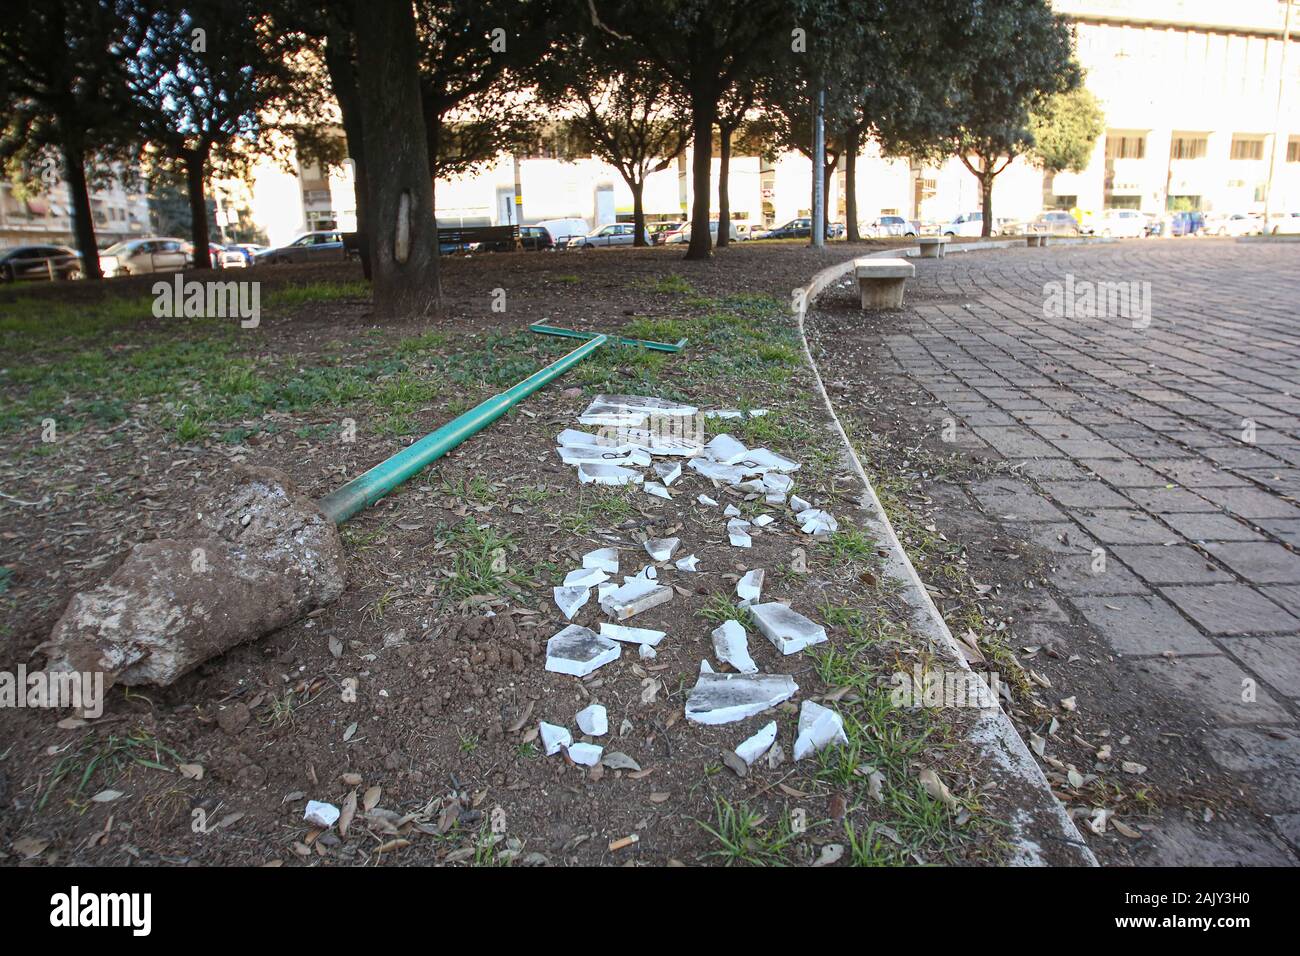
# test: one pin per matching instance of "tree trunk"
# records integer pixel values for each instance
(343, 80)
(404, 237)
(724, 179)
(851, 185)
(828, 174)
(986, 190)
(638, 212)
(704, 109)
(74, 171)
(195, 162)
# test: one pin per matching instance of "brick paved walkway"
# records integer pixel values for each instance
(1160, 463)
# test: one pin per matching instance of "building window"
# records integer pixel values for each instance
(1187, 147)
(1122, 146)
(1293, 150)
(1247, 147)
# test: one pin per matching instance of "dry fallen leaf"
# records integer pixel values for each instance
(936, 787)
(371, 798)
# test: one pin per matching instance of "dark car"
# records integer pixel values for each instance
(796, 229)
(39, 262)
(535, 239)
(1187, 224)
(310, 247)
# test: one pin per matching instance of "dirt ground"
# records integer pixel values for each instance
(444, 643)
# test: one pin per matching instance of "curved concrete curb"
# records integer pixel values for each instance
(993, 734)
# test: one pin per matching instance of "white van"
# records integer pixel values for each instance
(562, 230)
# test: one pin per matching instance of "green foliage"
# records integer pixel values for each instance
(1065, 130)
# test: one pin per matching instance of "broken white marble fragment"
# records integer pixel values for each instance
(731, 646)
(585, 578)
(750, 587)
(319, 814)
(787, 629)
(738, 533)
(573, 438)
(762, 521)
(607, 475)
(725, 698)
(636, 595)
(775, 482)
(570, 599)
(656, 489)
(632, 410)
(631, 635)
(586, 755)
(668, 471)
(593, 720)
(725, 450)
(819, 727)
(707, 501)
(688, 563)
(646, 652)
(817, 522)
(765, 460)
(731, 511)
(554, 737)
(717, 471)
(601, 455)
(604, 558)
(579, 651)
(754, 747)
(661, 549)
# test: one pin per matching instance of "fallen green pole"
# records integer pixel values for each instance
(364, 490)
(641, 343)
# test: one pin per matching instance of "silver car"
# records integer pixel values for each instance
(615, 234)
(136, 257)
(310, 247)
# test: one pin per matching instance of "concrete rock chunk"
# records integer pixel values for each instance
(579, 651)
(268, 556)
(726, 698)
(731, 646)
(787, 629)
(586, 755)
(318, 814)
(819, 727)
(636, 595)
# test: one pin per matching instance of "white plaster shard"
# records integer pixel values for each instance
(726, 698)
(631, 635)
(636, 595)
(604, 558)
(661, 549)
(585, 578)
(668, 471)
(688, 563)
(738, 533)
(787, 629)
(656, 489)
(731, 646)
(570, 599)
(607, 475)
(750, 587)
(554, 737)
(754, 747)
(579, 651)
(319, 814)
(586, 755)
(593, 720)
(819, 727)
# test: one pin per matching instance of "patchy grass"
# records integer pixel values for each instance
(98, 763)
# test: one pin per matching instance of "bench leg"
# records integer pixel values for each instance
(882, 293)
(932, 252)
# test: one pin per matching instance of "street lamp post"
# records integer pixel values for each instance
(819, 163)
(1277, 116)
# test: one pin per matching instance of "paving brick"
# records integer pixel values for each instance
(1116, 526)
(1074, 576)
(1083, 494)
(1214, 687)
(1024, 507)
(1125, 473)
(1255, 503)
(1016, 442)
(1210, 527)
(1142, 625)
(1286, 595)
(1275, 658)
(1174, 564)
(1230, 608)
(1162, 501)
(1259, 562)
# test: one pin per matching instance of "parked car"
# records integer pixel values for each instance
(241, 255)
(215, 254)
(1237, 224)
(1284, 224)
(535, 239)
(39, 262)
(1153, 224)
(562, 230)
(309, 247)
(1119, 224)
(659, 231)
(1056, 223)
(1186, 224)
(614, 234)
(795, 229)
(684, 234)
(745, 230)
(133, 257)
(888, 227)
(968, 224)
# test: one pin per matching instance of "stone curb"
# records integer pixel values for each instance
(994, 734)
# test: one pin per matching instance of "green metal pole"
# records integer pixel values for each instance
(364, 490)
(640, 343)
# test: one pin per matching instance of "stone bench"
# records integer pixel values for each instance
(881, 281)
(1036, 239)
(932, 247)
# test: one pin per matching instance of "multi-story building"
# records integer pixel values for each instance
(119, 212)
